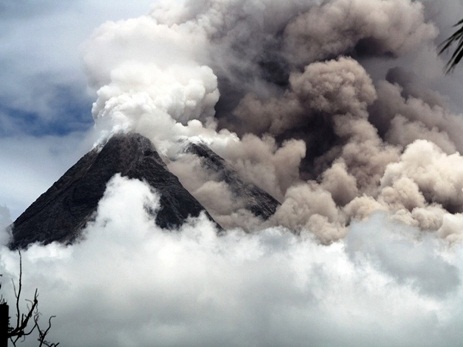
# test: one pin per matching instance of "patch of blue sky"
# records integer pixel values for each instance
(68, 112)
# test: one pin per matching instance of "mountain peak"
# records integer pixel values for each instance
(69, 204)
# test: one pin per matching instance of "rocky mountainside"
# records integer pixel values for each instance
(61, 212)
(259, 202)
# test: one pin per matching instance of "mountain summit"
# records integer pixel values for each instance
(63, 211)
(69, 204)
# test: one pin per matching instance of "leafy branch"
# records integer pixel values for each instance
(457, 55)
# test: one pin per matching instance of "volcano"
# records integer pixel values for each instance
(62, 212)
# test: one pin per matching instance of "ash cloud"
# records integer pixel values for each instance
(378, 28)
(296, 96)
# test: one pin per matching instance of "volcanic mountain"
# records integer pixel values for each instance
(69, 204)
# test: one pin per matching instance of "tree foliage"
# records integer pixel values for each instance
(455, 38)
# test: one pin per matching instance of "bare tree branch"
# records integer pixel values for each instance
(27, 323)
(43, 333)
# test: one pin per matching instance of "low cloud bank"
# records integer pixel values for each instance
(130, 284)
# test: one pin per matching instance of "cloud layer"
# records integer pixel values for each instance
(130, 283)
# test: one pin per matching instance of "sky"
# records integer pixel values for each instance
(340, 109)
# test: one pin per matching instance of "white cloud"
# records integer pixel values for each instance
(131, 284)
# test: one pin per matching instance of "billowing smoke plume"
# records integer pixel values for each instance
(286, 93)
(329, 106)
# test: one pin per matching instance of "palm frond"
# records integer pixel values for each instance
(457, 55)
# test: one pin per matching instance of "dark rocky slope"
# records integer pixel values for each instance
(61, 212)
(259, 202)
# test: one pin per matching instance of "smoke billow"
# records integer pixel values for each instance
(377, 28)
(329, 106)
(284, 92)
